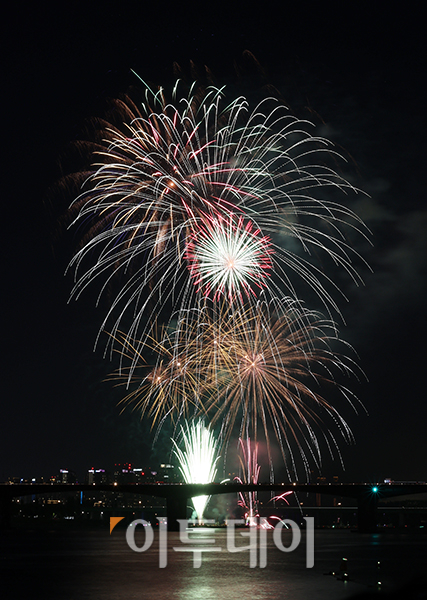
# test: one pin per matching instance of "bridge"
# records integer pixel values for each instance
(177, 494)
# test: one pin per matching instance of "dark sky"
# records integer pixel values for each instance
(360, 74)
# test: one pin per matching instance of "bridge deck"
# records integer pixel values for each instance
(189, 490)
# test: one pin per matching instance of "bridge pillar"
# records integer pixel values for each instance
(5, 511)
(367, 512)
(176, 508)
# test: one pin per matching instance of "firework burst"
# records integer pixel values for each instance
(169, 382)
(274, 368)
(198, 459)
(250, 468)
(196, 185)
(263, 371)
(226, 257)
(211, 216)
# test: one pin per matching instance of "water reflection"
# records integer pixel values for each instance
(92, 564)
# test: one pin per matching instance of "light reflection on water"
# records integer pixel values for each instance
(92, 564)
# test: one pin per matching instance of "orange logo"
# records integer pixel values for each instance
(114, 521)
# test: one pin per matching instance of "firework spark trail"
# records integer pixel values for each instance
(271, 370)
(260, 370)
(170, 386)
(208, 214)
(281, 497)
(225, 257)
(248, 459)
(174, 170)
(198, 460)
(250, 468)
(185, 367)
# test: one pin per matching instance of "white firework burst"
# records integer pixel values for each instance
(194, 167)
(227, 257)
(198, 460)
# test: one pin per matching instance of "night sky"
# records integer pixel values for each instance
(359, 75)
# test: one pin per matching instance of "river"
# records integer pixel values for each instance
(82, 564)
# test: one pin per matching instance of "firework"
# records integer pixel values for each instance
(261, 371)
(274, 367)
(198, 459)
(281, 497)
(248, 458)
(212, 219)
(193, 197)
(228, 257)
(250, 469)
(166, 383)
(178, 370)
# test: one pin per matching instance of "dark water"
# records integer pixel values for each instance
(92, 564)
